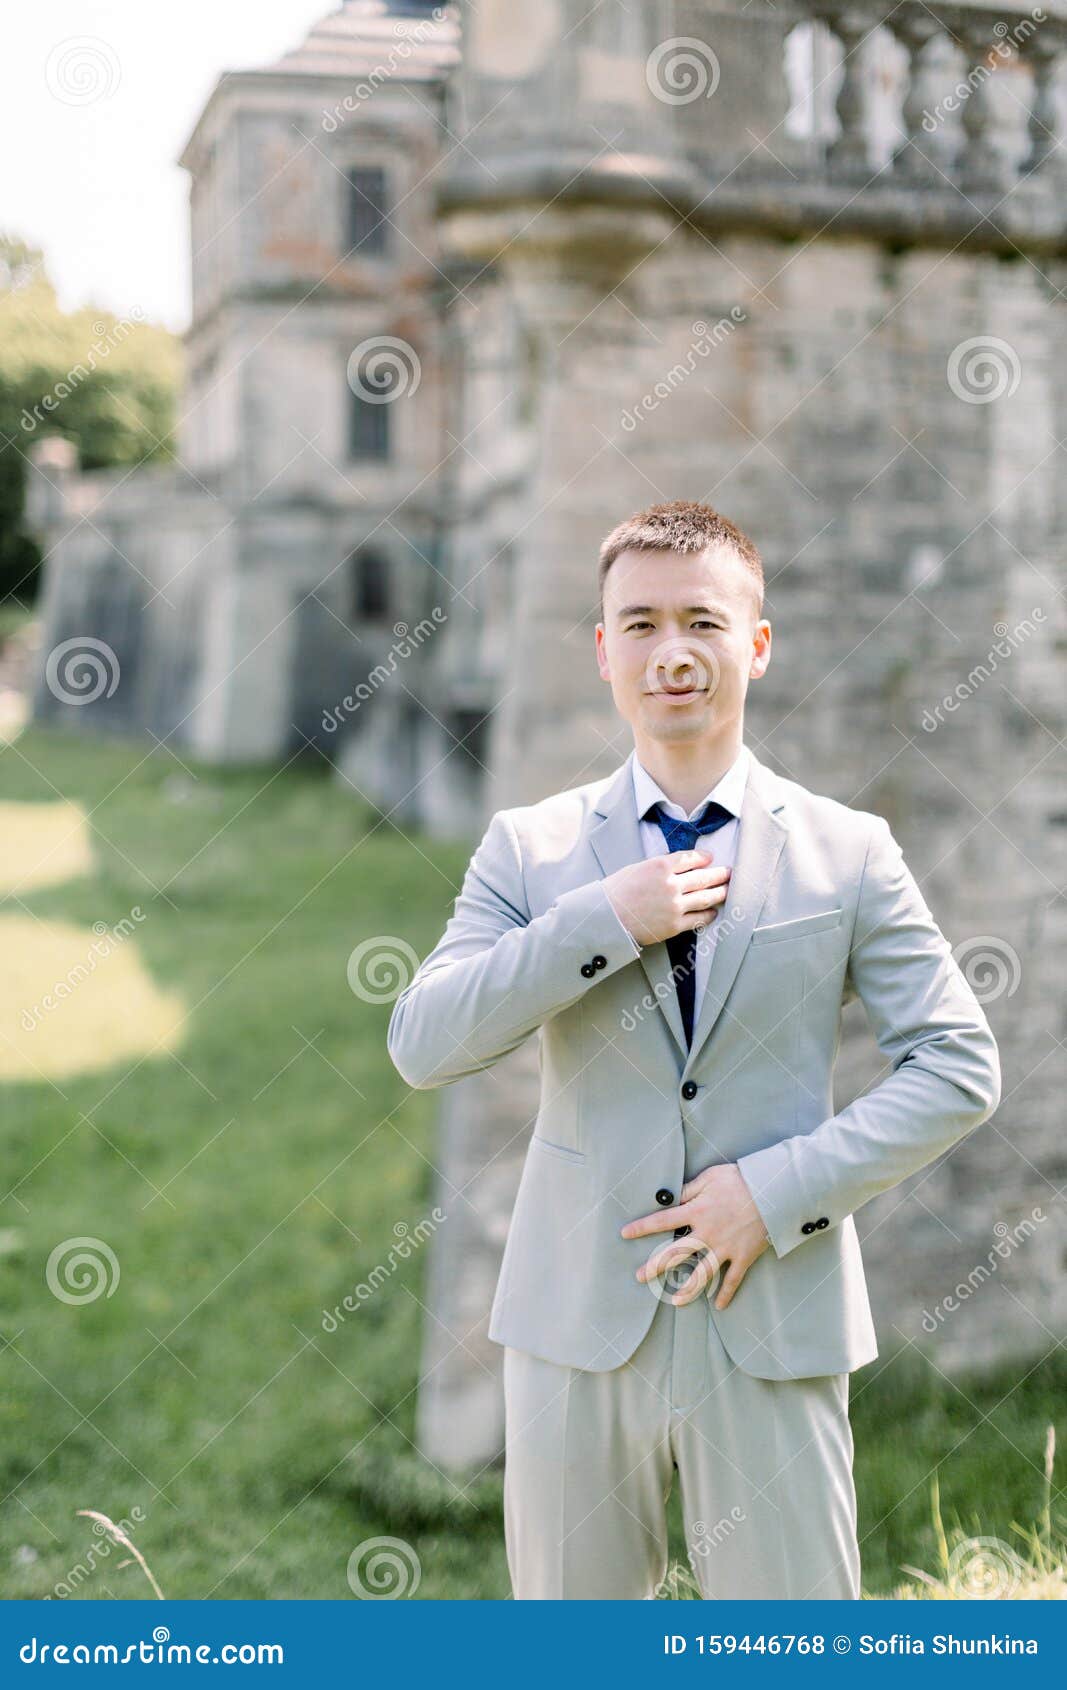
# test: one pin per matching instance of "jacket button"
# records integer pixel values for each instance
(809, 1226)
(600, 962)
(689, 1090)
(587, 971)
(822, 1221)
(664, 1197)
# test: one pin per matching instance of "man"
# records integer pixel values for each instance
(682, 1288)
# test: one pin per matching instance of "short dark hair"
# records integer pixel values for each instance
(682, 526)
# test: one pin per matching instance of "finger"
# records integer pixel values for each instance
(697, 879)
(694, 1287)
(668, 1256)
(731, 1281)
(659, 1222)
(684, 862)
(704, 900)
(698, 1183)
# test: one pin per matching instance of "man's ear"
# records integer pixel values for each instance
(761, 655)
(602, 653)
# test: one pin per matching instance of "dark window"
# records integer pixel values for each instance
(366, 225)
(471, 729)
(370, 586)
(368, 427)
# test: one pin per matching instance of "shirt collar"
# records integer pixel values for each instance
(729, 792)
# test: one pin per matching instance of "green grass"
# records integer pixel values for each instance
(287, 1149)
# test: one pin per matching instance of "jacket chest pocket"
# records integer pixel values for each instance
(775, 932)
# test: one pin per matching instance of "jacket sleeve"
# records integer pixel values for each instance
(945, 1077)
(497, 973)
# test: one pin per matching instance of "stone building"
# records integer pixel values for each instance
(802, 260)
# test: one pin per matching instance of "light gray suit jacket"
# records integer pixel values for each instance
(821, 907)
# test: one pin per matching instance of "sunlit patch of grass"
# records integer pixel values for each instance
(74, 1000)
(42, 845)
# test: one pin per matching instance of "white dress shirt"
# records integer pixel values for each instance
(730, 793)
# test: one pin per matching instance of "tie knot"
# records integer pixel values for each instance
(683, 835)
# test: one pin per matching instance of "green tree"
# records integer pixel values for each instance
(109, 384)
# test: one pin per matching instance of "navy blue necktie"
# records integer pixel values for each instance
(682, 948)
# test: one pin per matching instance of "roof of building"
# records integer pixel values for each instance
(411, 40)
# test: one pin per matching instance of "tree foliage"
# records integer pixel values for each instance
(109, 384)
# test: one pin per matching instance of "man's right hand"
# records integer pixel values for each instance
(667, 894)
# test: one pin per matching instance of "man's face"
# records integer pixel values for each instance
(680, 640)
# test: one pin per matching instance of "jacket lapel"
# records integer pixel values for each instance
(761, 835)
(616, 841)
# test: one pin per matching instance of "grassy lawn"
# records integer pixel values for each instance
(246, 1175)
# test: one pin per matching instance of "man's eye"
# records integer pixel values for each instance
(704, 624)
(637, 627)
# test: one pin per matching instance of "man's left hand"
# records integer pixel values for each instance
(718, 1206)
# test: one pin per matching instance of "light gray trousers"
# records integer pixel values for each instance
(765, 1469)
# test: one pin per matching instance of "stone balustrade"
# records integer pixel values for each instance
(970, 150)
(955, 131)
